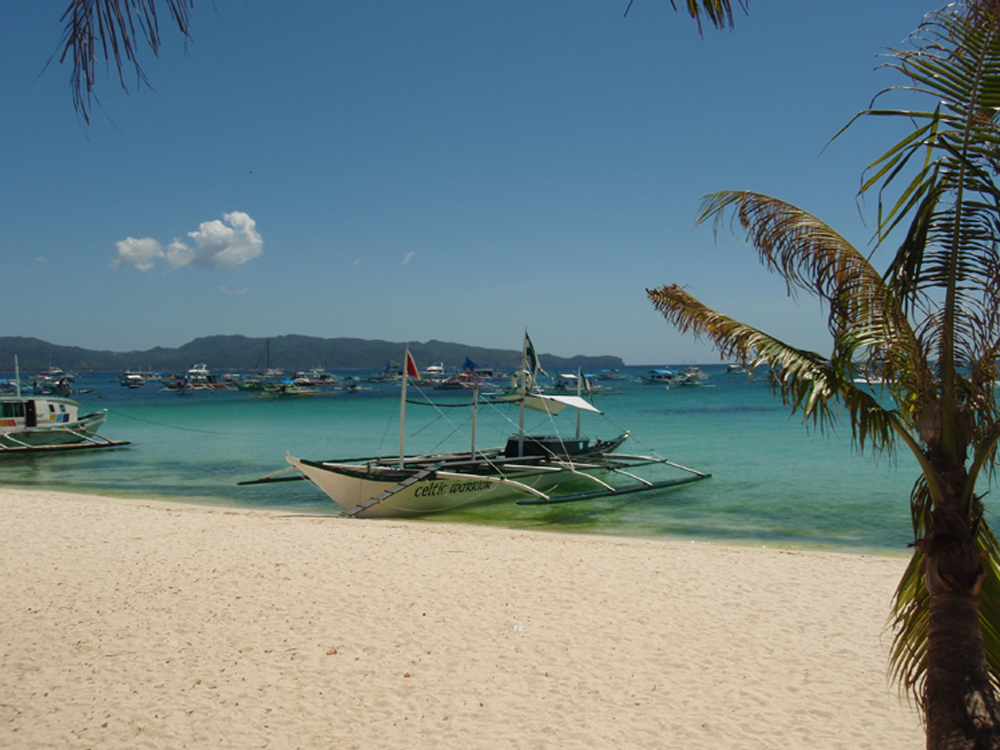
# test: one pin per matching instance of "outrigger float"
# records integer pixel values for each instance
(528, 470)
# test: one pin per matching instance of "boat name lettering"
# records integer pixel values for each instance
(433, 489)
(477, 486)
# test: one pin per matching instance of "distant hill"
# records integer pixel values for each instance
(291, 352)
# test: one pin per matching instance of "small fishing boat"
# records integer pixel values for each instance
(459, 381)
(48, 423)
(131, 379)
(435, 371)
(529, 469)
(287, 389)
(316, 377)
(662, 376)
(692, 376)
(202, 379)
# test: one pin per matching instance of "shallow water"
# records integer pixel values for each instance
(775, 481)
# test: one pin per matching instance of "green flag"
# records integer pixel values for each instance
(534, 367)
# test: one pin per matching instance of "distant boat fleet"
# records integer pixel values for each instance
(39, 415)
(316, 380)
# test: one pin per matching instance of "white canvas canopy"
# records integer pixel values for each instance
(551, 404)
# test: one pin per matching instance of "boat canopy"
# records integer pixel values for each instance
(550, 404)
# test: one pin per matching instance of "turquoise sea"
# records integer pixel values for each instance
(776, 481)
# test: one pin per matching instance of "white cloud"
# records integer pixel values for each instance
(216, 245)
(179, 254)
(226, 290)
(139, 254)
(408, 256)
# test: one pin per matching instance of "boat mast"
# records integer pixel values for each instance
(475, 414)
(17, 376)
(524, 391)
(579, 385)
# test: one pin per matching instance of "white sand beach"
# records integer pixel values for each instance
(134, 624)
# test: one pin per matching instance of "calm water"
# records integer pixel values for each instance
(775, 481)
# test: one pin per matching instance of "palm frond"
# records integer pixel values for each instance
(865, 318)
(957, 64)
(718, 12)
(115, 28)
(808, 382)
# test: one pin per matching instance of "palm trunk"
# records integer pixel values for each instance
(961, 706)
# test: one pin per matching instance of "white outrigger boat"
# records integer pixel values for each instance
(528, 470)
(48, 423)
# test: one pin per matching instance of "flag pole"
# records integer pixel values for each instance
(402, 410)
(524, 395)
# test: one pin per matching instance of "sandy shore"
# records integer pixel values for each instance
(128, 624)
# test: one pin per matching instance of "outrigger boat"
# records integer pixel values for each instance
(528, 470)
(48, 423)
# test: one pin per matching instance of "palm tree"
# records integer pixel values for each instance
(929, 330)
(111, 29)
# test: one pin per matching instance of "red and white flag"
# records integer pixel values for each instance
(411, 366)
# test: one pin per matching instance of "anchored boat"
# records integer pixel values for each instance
(48, 423)
(529, 469)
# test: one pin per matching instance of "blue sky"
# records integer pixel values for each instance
(431, 170)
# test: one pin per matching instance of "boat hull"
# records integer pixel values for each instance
(352, 487)
(55, 423)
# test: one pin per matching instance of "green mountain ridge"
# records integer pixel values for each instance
(289, 352)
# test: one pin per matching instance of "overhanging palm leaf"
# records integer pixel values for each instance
(112, 25)
(719, 12)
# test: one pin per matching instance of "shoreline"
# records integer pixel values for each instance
(327, 510)
(133, 622)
